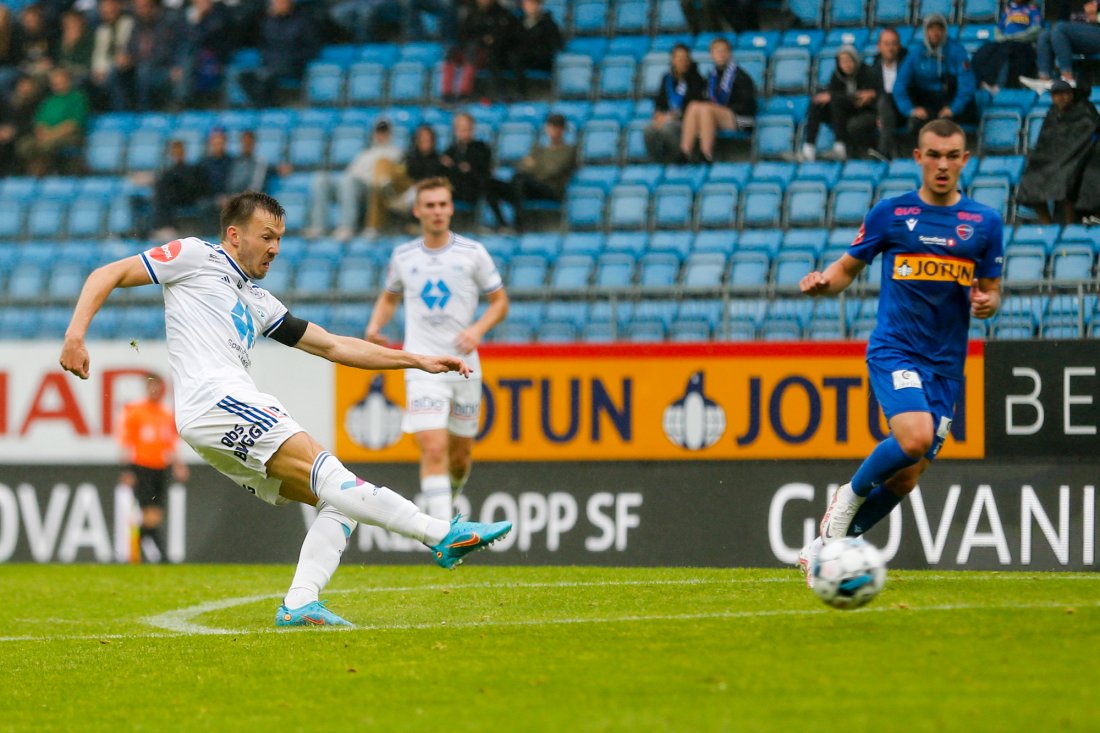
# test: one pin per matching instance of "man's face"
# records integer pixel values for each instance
(555, 133)
(257, 242)
(144, 9)
(941, 160)
(681, 61)
(434, 208)
(846, 63)
(720, 55)
(889, 46)
(154, 388)
(109, 10)
(935, 34)
(60, 82)
(463, 128)
(216, 144)
(532, 8)
(1061, 100)
(248, 143)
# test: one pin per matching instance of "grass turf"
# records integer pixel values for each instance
(157, 648)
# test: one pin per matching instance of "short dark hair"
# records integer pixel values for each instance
(942, 127)
(721, 40)
(679, 47)
(240, 208)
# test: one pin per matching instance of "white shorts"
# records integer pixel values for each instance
(432, 404)
(239, 435)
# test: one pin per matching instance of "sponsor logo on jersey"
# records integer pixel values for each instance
(938, 241)
(906, 379)
(166, 252)
(931, 267)
(911, 223)
(965, 231)
(906, 211)
(246, 327)
(970, 216)
(435, 295)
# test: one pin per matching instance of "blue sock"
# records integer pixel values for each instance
(880, 502)
(885, 460)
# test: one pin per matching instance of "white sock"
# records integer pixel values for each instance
(437, 495)
(364, 502)
(324, 544)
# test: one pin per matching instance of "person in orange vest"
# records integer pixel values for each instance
(148, 437)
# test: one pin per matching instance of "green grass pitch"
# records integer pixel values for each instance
(162, 648)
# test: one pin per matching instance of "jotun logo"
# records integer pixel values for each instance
(939, 269)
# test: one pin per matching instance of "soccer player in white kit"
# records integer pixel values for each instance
(441, 277)
(214, 312)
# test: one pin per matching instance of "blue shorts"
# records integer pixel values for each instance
(901, 385)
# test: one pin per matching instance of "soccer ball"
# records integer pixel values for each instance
(848, 573)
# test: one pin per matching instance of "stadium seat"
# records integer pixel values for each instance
(105, 151)
(589, 17)
(408, 82)
(761, 205)
(1044, 235)
(924, 8)
(527, 273)
(366, 84)
(514, 140)
(46, 218)
(773, 136)
(657, 270)
(573, 76)
(748, 271)
(716, 206)
(891, 12)
(704, 271)
(629, 207)
(851, 200)
(846, 13)
(672, 206)
(86, 216)
(993, 191)
(1072, 262)
(547, 245)
(600, 143)
(807, 12)
(324, 83)
(999, 133)
(1009, 166)
(614, 271)
(789, 71)
(1033, 125)
(806, 204)
(572, 272)
(584, 207)
(617, 77)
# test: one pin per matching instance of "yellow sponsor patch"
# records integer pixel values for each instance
(931, 267)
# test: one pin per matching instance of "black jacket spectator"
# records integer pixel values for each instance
(534, 43)
(848, 105)
(289, 42)
(206, 48)
(681, 86)
(483, 39)
(469, 167)
(742, 100)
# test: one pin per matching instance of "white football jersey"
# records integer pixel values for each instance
(441, 289)
(213, 315)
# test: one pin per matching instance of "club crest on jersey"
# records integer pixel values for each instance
(435, 295)
(166, 252)
(965, 231)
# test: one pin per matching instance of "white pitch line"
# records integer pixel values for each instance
(174, 624)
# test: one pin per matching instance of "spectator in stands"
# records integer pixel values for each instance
(17, 122)
(891, 55)
(289, 42)
(483, 38)
(848, 106)
(395, 183)
(1054, 168)
(178, 186)
(1011, 54)
(543, 173)
(58, 127)
(467, 162)
(352, 187)
(682, 85)
(936, 80)
(535, 43)
(207, 46)
(143, 76)
(249, 171)
(74, 51)
(1057, 46)
(11, 49)
(708, 15)
(112, 37)
(216, 166)
(730, 104)
(38, 43)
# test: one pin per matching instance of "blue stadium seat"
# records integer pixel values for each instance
(978, 11)
(573, 76)
(1033, 125)
(65, 280)
(629, 207)
(716, 206)
(790, 267)
(891, 187)
(514, 140)
(851, 201)
(634, 46)
(846, 13)
(366, 83)
(891, 12)
(789, 71)
(669, 17)
(572, 272)
(973, 36)
(643, 175)
(807, 12)
(600, 143)
(727, 172)
(12, 213)
(672, 206)
(689, 331)
(993, 191)
(616, 77)
(584, 207)
(87, 215)
(603, 177)
(556, 332)
(634, 143)
(357, 276)
(658, 270)
(761, 205)
(527, 273)
(345, 142)
(1016, 100)
(806, 205)
(1025, 263)
(630, 17)
(614, 271)
(324, 83)
(46, 218)
(1044, 235)
(999, 133)
(547, 245)
(1009, 166)
(773, 137)
(924, 8)
(105, 151)
(1072, 262)
(27, 281)
(583, 243)
(593, 48)
(723, 241)
(847, 36)
(704, 271)
(773, 171)
(306, 147)
(748, 271)
(589, 17)
(408, 83)
(145, 150)
(655, 65)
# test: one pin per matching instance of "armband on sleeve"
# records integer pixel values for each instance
(289, 330)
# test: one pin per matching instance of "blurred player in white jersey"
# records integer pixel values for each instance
(213, 314)
(441, 277)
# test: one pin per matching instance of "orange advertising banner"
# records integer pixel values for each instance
(716, 401)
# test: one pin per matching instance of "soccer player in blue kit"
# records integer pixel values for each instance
(942, 255)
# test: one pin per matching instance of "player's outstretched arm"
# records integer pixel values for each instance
(985, 297)
(836, 278)
(365, 355)
(125, 273)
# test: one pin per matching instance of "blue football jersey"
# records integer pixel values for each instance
(930, 257)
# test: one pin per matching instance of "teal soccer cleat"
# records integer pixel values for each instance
(466, 537)
(311, 614)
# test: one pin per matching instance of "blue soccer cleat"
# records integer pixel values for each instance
(311, 614)
(466, 537)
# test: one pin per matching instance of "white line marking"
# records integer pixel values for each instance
(173, 624)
